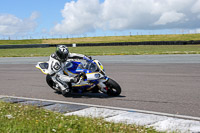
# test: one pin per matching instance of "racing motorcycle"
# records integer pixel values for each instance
(92, 76)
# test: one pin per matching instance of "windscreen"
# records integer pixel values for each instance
(92, 67)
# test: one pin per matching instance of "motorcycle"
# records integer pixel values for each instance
(92, 77)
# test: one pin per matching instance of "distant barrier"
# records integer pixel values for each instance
(24, 46)
(192, 42)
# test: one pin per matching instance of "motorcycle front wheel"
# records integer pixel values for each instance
(113, 88)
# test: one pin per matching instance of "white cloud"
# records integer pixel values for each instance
(79, 17)
(196, 7)
(12, 25)
(34, 15)
(90, 15)
(169, 17)
(195, 30)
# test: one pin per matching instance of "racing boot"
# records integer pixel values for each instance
(64, 87)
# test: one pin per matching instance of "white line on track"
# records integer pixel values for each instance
(110, 107)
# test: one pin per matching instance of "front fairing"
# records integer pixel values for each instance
(77, 67)
(74, 68)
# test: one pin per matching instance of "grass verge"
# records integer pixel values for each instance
(106, 39)
(106, 50)
(19, 118)
(28, 41)
(135, 38)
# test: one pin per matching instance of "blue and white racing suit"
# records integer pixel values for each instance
(56, 70)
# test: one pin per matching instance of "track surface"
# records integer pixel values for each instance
(169, 84)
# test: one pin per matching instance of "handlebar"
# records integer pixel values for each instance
(89, 59)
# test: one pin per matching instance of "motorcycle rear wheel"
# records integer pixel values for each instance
(113, 88)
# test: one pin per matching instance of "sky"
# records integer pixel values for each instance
(35, 19)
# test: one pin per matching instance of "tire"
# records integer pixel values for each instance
(95, 89)
(113, 88)
(50, 82)
(66, 93)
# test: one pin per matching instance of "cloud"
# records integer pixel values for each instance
(79, 17)
(90, 15)
(195, 7)
(34, 15)
(167, 18)
(12, 25)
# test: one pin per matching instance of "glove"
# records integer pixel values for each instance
(78, 77)
(88, 58)
(83, 75)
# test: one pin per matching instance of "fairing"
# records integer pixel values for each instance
(94, 72)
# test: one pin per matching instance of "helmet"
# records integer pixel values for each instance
(62, 53)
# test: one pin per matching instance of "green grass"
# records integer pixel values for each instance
(136, 38)
(106, 39)
(16, 118)
(106, 50)
(12, 42)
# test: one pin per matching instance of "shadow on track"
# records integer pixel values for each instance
(88, 95)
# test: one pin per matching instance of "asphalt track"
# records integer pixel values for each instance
(161, 83)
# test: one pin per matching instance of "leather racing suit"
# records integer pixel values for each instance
(56, 69)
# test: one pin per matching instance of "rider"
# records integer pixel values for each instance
(57, 63)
